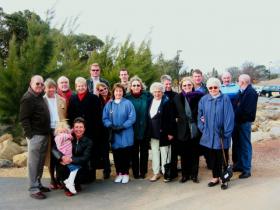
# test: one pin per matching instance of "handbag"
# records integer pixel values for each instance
(167, 168)
(192, 124)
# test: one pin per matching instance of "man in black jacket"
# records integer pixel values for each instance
(245, 114)
(35, 120)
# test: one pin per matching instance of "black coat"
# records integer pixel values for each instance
(89, 109)
(163, 123)
(247, 106)
(81, 151)
(182, 121)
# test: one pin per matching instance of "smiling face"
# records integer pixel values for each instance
(197, 78)
(167, 85)
(103, 91)
(81, 87)
(63, 85)
(213, 90)
(136, 87)
(50, 91)
(187, 86)
(157, 93)
(226, 78)
(118, 93)
(37, 84)
(79, 129)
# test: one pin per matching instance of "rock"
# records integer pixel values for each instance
(254, 127)
(23, 142)
(259, 135)
(5, 163)
(20, 160)
(6, 137)
(8, 149)
(274, 132)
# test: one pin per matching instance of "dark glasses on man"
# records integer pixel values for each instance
(94, 69)
(39, 83)
(136, 85)
(213, 88)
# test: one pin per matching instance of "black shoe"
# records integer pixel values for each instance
(106, 175)
(184, 179)
(38, 195)
(224, 186)
(44, 189)
(244, 175)
(195, 180)
(142, 176)
(212, 184)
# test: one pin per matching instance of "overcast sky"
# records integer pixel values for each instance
(216, 33)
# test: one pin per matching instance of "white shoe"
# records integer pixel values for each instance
(71, 188)
(125, 179)
(155, 177)
(119, 178)
(66, 181)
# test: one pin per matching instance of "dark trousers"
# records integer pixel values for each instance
(174, 158)
(140, 164)
(63, 172)
(122, 158)
(217, 161)
(234, 145)
(189, 152)
(53, 160)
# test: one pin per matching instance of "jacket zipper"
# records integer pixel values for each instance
(214, 122)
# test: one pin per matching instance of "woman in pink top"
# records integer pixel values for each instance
(63, 140)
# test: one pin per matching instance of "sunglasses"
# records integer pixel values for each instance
(94, 69)
(39, 83)
(214, 88)
(136, 85)
(189, 85)
(101, 90)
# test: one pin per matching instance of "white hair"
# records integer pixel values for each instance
(245, 77)
(62, 78)
(213, 82)
(165, 77)
(80, 80)
(157, 86)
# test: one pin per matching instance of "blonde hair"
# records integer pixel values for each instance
(185, 79)
(60, 127)
(135, 78)
(80, 80)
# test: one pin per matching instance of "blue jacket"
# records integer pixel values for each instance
(219, 116)
(122, 114)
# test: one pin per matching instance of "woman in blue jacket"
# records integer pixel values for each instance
(216, 122)
(119, 115)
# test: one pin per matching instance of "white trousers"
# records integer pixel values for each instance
(157, 153)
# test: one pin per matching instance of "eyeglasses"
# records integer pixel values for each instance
(136, 85)
(39, 83)
(94, 69)
(189, 85)
(214, 88)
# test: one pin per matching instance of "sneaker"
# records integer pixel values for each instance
(125, 179)
(155, 177)
(118, 178)
(70, 186)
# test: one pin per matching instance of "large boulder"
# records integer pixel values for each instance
(275, 132)
(259, 135)
(6, 137)
(20, 160)
(8, 149)
(5, 163)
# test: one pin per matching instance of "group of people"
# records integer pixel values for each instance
(72, 132)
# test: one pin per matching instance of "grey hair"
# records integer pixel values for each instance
(157, 86)
(49, 82)
(61, 79)
(80, 80)
(165, 77)
(135, 78)
(246, 78)
(213, 81)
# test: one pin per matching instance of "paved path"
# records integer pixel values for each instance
(256, 193)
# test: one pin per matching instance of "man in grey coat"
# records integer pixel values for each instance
(35, 120)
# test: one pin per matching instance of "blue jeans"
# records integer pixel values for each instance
(73, 167)
(244, 147)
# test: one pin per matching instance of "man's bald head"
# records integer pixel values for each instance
(226, 78)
